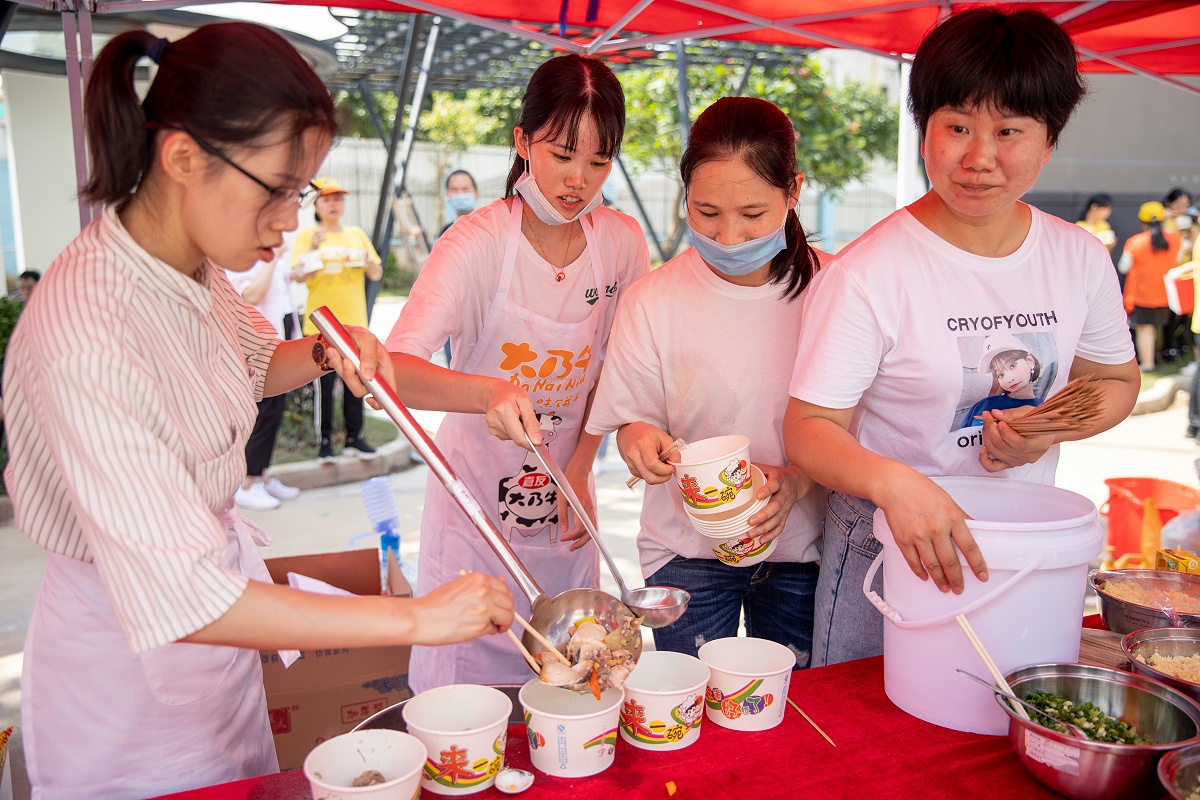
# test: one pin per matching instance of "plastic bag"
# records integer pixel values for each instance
(1182, 532)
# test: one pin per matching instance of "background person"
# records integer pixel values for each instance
(525, 288)
(27, 281)
(886, 342)
(1146, 259)
(347, 260)
(744, 273)
(461, 197)
(141, 671)
(1094, 219)
(1174, 203)
(267, 287)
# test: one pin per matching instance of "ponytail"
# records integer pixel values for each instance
(1158, 242)
(230, 84)
(795, 266)
(119, 146)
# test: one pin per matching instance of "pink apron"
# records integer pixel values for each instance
(102, 722)
(554, 360)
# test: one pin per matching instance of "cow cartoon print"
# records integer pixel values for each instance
(529, 499)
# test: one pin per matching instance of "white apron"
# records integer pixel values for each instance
(101, 722)
(515, 491)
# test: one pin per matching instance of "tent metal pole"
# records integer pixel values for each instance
(7, 12)
(368, 98)
(75, 97)
(1145, 73)
(685, 123)
(490, 24)
(637, 200)
(389, 172)
(745, 81)
(616, 27)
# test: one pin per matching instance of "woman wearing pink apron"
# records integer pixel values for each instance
(130, 389)
(525, 289)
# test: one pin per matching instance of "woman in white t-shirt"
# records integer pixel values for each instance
(525, 288)
(894, 329)
(719, 364)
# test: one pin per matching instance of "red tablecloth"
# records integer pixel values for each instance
(881, 752)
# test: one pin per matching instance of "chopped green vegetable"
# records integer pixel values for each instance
(1095, 723)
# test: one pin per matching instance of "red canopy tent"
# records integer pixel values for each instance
(1153, 38)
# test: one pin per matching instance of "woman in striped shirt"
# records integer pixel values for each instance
(130, 387)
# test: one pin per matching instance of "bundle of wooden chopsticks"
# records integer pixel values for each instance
(1076, 407)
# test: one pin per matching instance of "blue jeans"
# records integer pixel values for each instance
(847, 625)
(776, 597)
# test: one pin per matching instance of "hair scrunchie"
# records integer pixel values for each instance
(157, 50)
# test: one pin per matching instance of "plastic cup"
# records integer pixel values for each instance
(356, 257)
(571, 734)
(748, 682)
(333, 765)
(664, 701)
(334, 258)
(311, 262)
(464, 728)
(714, 475)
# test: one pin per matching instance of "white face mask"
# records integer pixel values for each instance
(542, 208)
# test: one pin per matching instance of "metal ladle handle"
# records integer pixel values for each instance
(340, 340)
(1074, 730)
(542, 451)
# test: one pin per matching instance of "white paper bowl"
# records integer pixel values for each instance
(714, 476)
(464, 729)
(741, 551)
(748, 682)
(571, 734)
(664, 701)
(333, 765)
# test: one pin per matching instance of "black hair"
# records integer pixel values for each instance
(1175, 194)
(470, 177)
(30, 274)
(230, 84)
(1015, 62)
(1098, 200)
(1158, 241)
(761, 136)
(559, 94)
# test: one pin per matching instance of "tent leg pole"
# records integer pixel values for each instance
(75, 96)
(414, 114)
(642, 210)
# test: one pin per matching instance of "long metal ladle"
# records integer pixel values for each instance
(551, 616)
(657, 605)
(1074, 730)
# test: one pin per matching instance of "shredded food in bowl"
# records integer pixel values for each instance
(1183, 667)
(1132, 591)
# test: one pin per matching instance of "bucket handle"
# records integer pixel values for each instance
(894, 616)
(1130, 496)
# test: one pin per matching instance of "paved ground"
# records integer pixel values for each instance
(323, 520)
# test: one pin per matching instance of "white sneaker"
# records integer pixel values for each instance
(256, 497)
(279, 490)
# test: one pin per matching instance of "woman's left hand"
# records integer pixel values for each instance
(373, 359)
(1004, 448)
(580, 478)
(785, 486)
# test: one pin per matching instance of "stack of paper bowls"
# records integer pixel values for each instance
(718, 485)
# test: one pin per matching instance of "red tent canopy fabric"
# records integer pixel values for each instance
(1155, 36)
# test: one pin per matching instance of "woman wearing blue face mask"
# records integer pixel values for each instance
(461, 195)
(719, 364)
(525, 288)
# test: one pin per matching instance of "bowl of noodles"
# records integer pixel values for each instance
(1135, 599)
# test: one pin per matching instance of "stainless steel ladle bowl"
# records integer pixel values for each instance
(551, 616)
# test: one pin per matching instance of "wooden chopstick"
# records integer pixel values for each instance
(532, 631)
(520, 646)
(816, 727)
(987, 661)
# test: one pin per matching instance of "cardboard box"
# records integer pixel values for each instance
(327, 692)
(1177, 561)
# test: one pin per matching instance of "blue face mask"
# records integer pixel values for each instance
(461, 203)
(737, 260)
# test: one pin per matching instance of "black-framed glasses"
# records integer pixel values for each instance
(281, 195)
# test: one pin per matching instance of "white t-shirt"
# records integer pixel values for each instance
(897, 328)
(455, 289)
(698, 356)
(277, 302)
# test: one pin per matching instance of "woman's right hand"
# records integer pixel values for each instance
(317, 237)
(510, 415)
(641, 444)
(927, 525)
(463, 609)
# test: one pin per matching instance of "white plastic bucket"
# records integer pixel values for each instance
(1037, 541)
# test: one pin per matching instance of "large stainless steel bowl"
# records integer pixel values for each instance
(1087, 770)
(1179, 772)
(392, 717)
(1166, 642)
(1121, 616)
